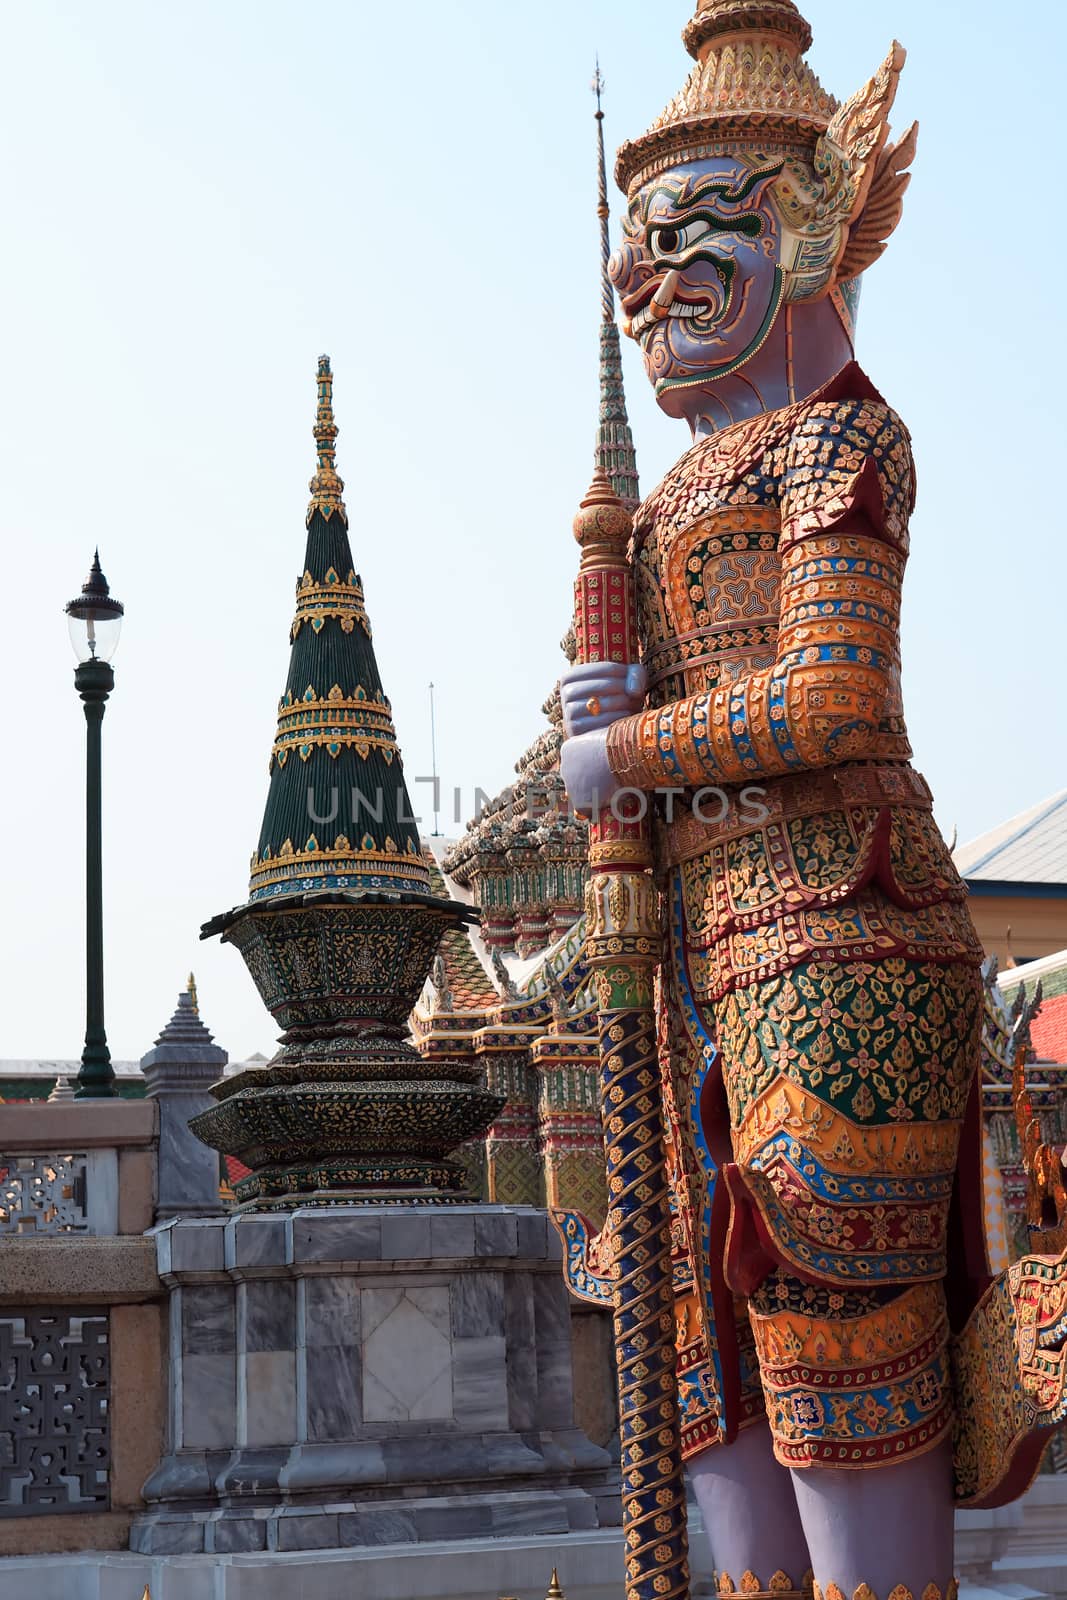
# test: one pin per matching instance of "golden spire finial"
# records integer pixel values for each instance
(554, 1590)
(191, 988)
(326, 487)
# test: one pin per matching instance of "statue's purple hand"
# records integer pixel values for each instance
(599, 694)
(587, 773)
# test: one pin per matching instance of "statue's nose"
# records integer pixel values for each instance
(623, 264)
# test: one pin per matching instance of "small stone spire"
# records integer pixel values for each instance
(185, 1028)
(327, 488)
(615, 454)
(179, 1071)
(62, 1092)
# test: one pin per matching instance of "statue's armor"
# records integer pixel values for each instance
(820, 1000)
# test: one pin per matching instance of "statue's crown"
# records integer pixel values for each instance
(751, 93)
(751, 87)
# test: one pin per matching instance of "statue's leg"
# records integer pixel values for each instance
(750, 1511)
(746, 1499)
(860, 1377)
(847, 1089)
(892, 1525)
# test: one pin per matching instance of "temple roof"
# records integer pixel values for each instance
(1029, 849)
(470, 987)
(1050, 972)
(1048, 1030)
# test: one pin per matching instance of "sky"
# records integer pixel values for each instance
(201, 199)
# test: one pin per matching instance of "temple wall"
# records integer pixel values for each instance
(1038, 926)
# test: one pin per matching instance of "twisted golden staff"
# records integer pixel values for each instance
(623, 949)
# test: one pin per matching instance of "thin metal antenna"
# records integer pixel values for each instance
(436, 780)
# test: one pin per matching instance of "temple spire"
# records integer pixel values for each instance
(338, 814)
(615, 454)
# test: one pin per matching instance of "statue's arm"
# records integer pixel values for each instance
(836, 675)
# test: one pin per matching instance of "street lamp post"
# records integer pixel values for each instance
(95, 620)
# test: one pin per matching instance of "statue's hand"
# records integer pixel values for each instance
(586, 772)
(597, 695)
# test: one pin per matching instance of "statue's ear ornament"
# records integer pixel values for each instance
(838, 214)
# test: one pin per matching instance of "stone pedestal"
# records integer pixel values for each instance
(353, 1377)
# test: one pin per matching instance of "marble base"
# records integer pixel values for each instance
(352, 1378)
(1034, 1554)
(590, 1568)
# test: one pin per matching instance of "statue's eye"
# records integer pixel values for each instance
(677, 241)
(672, 241)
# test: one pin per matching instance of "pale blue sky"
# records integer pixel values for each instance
(201, 199)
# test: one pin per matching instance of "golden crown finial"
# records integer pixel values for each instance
(714, 18)
(554, 1590)
(327, 488)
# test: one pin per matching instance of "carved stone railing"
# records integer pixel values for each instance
(77, 1168)
(54, 1410)
(42, 1194)
(81, 1333)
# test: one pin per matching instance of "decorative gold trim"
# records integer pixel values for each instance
(316, 602)
(339, 720)
(900, 1592)
(291, 864)
(781, 1587)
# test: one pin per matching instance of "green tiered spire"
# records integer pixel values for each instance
(615, 453)
(341, 926)
(335, 755)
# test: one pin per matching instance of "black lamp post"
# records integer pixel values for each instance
(95, 620)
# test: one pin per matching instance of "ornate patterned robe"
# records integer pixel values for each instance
(820, 997)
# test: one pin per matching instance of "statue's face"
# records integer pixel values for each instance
(713, 224)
